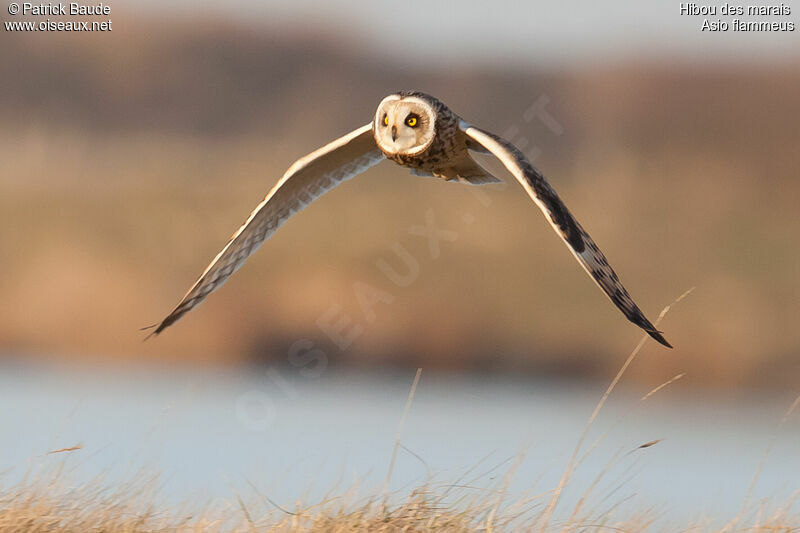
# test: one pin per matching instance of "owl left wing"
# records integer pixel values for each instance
(307, 179)
(579, 242)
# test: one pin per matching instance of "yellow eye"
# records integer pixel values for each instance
(411, 121)
(385, 120)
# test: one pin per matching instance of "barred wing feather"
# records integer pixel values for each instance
(579, 242)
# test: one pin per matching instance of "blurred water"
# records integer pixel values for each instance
(293, 437)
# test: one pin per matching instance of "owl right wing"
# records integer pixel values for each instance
(306, 180)
(576, 238)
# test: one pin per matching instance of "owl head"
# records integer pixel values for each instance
(405, 124)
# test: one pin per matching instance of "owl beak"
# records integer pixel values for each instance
(394, 133)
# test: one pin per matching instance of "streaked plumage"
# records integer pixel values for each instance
(419, 132)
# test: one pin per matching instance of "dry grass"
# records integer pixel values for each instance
(53, 508)
(37, 509)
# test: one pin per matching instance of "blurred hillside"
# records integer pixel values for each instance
(130, 158)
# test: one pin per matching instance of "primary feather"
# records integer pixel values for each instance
(577, 239)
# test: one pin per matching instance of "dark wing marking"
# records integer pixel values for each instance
(307, 179)
(579, 242)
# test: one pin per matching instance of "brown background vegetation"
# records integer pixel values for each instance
(128, 159)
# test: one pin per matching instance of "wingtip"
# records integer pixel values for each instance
(164, 324)
(153, 333)
(659, 338)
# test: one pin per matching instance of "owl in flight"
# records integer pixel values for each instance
(417, 131)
